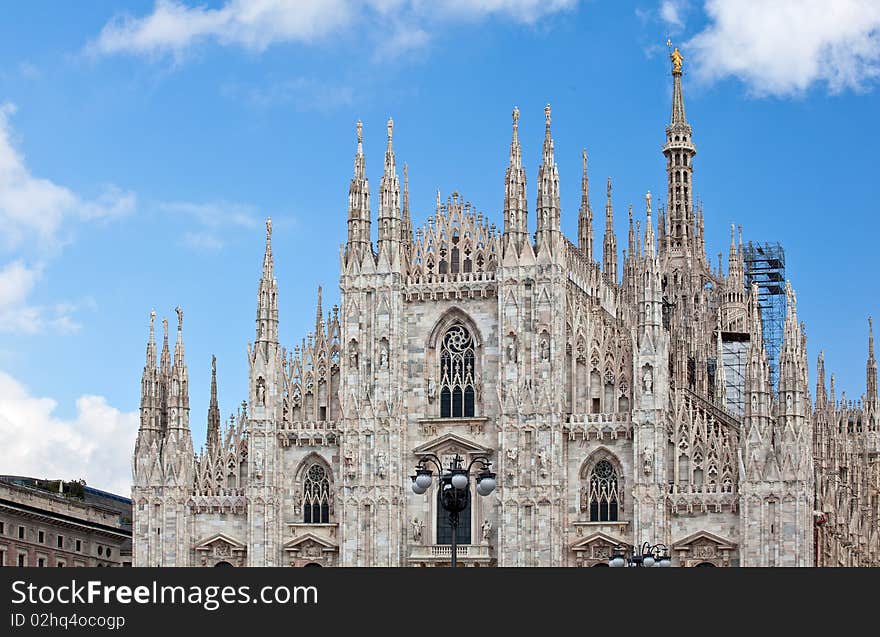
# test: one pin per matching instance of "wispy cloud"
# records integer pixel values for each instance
(34, 215)
(95, 444)
(211, 222)
(173, 28)
(785, 47)
(672, 13)
(303, 93)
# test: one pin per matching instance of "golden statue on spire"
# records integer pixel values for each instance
(675, 56)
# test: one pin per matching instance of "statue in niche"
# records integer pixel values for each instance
(648, 380)
(486, 529)
(380, 464)
(417, 526)
(349, 464)
(788, 402)
(383, 355)
(432, 390)
(648, 460)
(258, 465)
(543, 460)
(261, 391)
(545, 348)
(511, 348)
(352, 354)
(512, 455)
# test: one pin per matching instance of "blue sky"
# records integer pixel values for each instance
(143, 144)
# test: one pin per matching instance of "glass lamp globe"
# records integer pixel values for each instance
(460, 481)
(417, 489)
(423, 480)
(486, 486)
(648, 561)
(617, 561)
(665, 562)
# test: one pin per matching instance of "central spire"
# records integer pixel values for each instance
(609, 248)
(213, 410)
(267, 296)
(679, 150)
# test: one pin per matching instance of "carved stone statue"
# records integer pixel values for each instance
(511, 349)
(380, 464)
(383, 355)
(512, 455)
(417, 526)
(648, 460)
(261, 391)
(648, 380)
(543, 460)
(352, 355)
(545, 348)
(486, 529)
(258, 465)
(432, 390)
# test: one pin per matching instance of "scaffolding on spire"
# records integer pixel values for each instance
(765, 266)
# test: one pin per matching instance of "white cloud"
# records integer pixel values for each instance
(672, 12)
(174, 27)
(33, 216)
(304, 93)
(96, 444)
(784, 47)
(34, 208)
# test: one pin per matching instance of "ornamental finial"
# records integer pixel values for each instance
(515, 116)
(360, 131)
(390, 128)
(268, 228)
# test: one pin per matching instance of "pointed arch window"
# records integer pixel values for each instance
(457, 373)
(603, 500)
(316, 495)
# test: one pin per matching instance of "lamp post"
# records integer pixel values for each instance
(648, 555)
(455, 482)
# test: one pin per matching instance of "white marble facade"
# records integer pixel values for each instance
(598, 395)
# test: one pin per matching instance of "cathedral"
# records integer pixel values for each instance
(618, 404)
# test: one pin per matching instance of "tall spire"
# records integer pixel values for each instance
(649, 228)
(178, 346)
(213, 410)
(585, 214)
(151, 343)
(359, 240)
(389, 200)
(871, 395)
(609, 253)
(515, 206)
(267, 296)
(548, 205)
(406, 228)
(165, 362)
(821, 395)
(631, 242)
(319, 313)
(679, 151)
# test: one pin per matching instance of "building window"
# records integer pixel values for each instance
(108, 552)
(61, 541)
(22, 559)
(61, 564)
(100, 550)
(603, 494)
(41, 537)
(21, 533)
(444, 526)
(457, 373)
(78, 546)
(2, 558)
(316, 496)
(2, 528)
(41, 562)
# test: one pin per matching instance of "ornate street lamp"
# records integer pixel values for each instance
(648, 555)
(455, 492)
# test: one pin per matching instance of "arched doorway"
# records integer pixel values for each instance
(223, 564)
(312, 564)
(704, 564)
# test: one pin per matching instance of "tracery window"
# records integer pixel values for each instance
(316, 496)
(457, 373)
(603, 493)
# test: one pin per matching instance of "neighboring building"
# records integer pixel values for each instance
(618, 406)
(57, 523)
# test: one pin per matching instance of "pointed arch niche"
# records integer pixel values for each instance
(602, 488)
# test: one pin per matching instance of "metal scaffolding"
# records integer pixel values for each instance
(765, 266)
(734, 352)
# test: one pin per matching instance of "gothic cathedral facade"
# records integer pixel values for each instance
(602, 397)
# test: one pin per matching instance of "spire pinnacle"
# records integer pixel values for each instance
(268, 262)
(319, 312)
(213, 410)
(585, 214)
(870, 337)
